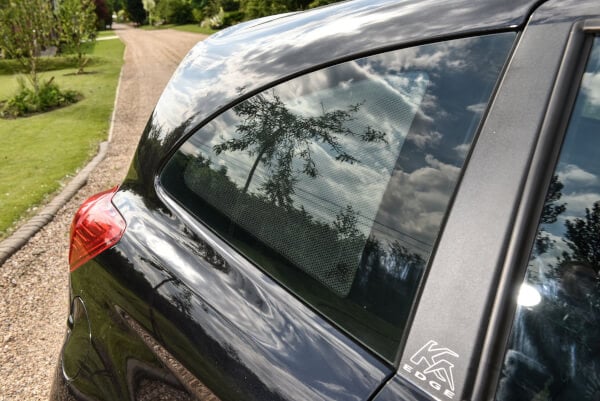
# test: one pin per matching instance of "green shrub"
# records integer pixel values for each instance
(197, 15)
(174, 11)
(230, 5)
(232, 18)
(8, 67)
(27, 101)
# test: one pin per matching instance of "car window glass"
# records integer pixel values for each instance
(554, 348)
(336, 182)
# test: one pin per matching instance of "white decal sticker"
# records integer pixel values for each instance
(433, 365)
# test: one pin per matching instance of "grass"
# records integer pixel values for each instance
(38, 152)
(107, 33)
(186, 28)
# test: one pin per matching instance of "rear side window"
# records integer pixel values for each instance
(336, 183)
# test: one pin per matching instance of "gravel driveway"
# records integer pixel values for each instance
(33, 282)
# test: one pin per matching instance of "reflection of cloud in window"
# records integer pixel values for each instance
(341, 184)
(477, 108)
(447, 56)
(424, 139)
(591, 86)
(462, 150)
(571, 174)
(417, 203)
(577, 203)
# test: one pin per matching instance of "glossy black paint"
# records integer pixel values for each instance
(228, 324)
(174, 310)
(400, 389)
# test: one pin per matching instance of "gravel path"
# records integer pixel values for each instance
(33, 282)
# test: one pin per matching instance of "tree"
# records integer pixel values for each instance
(78, 28)
(115, 5)
(261, 8)
(103, 14)
(149, 6)
(135, 11)
(583, 239)
(27, 27)
(319, 3)
(173, 11)
(550, 212)
(275, 136)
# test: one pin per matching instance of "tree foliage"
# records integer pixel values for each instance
(276, 136)
(135, 11)
(78, 28)
(27, 27)
(103, 14)
(583, 238)
(261, 8)
(174, 11)
(550, 212)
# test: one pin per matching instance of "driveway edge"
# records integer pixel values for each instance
(22, 235)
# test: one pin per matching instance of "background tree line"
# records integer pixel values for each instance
(215, 14)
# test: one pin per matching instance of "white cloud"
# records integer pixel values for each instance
(419, 200)
(425, 139)
(576, 205)
(591, 85)
(477, 108)
(462, 150)
(573, 174)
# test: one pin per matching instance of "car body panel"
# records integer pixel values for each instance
(231, 326)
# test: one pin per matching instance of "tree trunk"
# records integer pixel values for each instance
(253, 169)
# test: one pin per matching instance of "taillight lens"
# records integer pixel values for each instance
(97, 226)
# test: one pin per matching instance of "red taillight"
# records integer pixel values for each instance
(97, 226)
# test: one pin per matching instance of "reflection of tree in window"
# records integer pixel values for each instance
(583, 239)
(550, 212)
(275, 136)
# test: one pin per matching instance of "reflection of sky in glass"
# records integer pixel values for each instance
(429, 166)
(562, 310)
(437, 92)
(579, 165)
(387, 103)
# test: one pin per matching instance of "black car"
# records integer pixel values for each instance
(368, 201)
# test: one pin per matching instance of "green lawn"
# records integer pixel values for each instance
(107, 33)
(38, 152)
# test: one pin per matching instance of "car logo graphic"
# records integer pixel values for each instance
(433, 364)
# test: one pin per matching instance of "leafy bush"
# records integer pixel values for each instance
(49, 96)
(197, 15)
(232, 18)
(9, 67)
(174, 12)
(182, 13)
(103, 14)
(214, 22)
(230, 5)
(319, 3)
